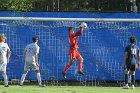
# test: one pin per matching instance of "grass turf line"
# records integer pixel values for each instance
(65, 89)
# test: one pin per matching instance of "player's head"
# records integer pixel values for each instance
(35, 39)
(71, 30)
(132, 39)
(2, 38)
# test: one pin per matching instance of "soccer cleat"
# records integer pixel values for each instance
(133, 86)
(126, 86)
(20, 85)
(6, 86)
(64, 75)
(80, 72)
(42, 85)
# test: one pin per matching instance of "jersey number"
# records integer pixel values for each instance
(133, 51)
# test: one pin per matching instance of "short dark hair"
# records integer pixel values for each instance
(132, 39)
(70, 28)
(34, 39)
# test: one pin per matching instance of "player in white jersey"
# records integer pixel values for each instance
(31, 60)
(4, 59)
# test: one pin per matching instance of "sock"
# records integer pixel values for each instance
(126, 79)
(66, 68)
(39, 78)
(22, 79)
(132, 79)
(80, 64)
(5, 79)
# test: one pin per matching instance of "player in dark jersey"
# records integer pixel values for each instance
(73, 49)
(132, 54)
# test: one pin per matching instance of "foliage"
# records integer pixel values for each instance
(65, 5)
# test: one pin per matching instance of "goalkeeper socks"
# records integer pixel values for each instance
(126, 79)
(22, 79)
(39, 78)
(133, 79)
(5, 79)
(66, 68)
(80, 64)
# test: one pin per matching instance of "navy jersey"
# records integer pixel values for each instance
(133, 52)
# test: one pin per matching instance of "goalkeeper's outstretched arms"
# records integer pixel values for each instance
(80, 31)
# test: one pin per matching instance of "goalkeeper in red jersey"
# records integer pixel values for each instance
(73, 49)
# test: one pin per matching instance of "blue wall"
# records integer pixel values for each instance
(102, 44)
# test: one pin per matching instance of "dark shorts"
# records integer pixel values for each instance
(130, 67)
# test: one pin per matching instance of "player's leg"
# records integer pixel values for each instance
(26, 67)
(80, 63)
(5, 78)
(126, 72)
(36, 69)
(68, 65)
(23, 77)
(4, 74)
(126, 78)
(132, 78)
(39, 77)
(71, 61)
(132, 72)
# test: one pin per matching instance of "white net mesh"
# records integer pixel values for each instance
(101, 45)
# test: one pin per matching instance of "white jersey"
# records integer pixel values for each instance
(3, 52)
(31, 50)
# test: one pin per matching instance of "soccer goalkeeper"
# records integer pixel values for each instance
(73, 49)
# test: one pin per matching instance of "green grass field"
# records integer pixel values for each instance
(65, 89)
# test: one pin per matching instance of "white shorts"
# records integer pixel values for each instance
(3, 66)
(30, 64)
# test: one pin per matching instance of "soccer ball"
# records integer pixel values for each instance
(84, 25)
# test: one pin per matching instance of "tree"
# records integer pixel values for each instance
(65, 5)
(20, 5)
(3, 4)
(41, 5)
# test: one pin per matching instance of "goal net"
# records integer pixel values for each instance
(101, 45)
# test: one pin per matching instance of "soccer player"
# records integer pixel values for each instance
(4, 58)
(31, 60)
(132, 54)
(73, 50)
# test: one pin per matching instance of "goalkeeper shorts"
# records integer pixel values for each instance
(74, 54)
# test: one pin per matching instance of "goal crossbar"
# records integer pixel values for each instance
(72, 19)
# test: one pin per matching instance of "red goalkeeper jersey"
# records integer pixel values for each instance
(73, 39)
